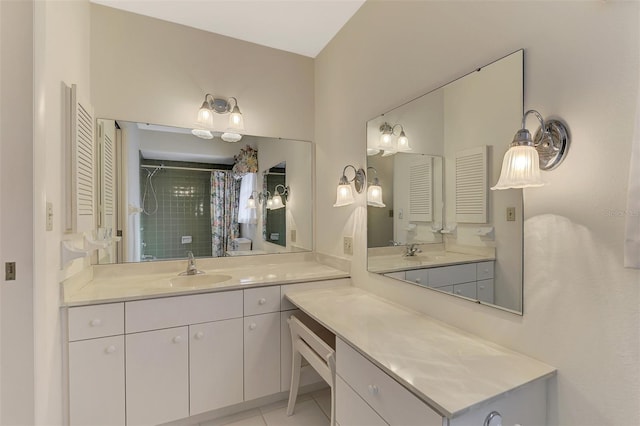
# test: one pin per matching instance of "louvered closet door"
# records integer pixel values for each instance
(471, 185)
(80, 164)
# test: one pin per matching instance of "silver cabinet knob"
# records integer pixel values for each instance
(262, 301)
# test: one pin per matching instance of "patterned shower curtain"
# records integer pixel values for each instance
(225, 194)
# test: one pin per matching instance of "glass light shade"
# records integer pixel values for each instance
(374, 196)
(520, 168)
(344, 195)
(231, 137)
(276, 202)
(205, 115)
(372, 151)
(386, 141)
(251, 202)
(269, 203)
(204, 134)
(403, 142)
(236, 121)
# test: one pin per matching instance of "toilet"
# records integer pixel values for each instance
(241, 244)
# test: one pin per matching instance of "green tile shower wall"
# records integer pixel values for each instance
(183, 210)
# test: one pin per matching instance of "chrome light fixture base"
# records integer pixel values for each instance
(552, 144)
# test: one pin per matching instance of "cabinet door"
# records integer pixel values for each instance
(157, 376)
(485, 290)
(261, 355)
(215, 365)
(96, 382)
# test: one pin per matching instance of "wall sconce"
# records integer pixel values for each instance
(374, 191)
(212, 104)
(526, 156)
(277, 197)
(344, 193)
(388, 144)
(273, 202)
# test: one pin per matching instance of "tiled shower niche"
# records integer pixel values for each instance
(183, 211)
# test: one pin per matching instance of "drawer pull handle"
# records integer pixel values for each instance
(262, 301)
(110, 349)
(177, 339)
(373, 389)
(252, 326)
(95, 322)
(199, 335)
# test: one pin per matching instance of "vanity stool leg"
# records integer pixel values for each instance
(295, 375)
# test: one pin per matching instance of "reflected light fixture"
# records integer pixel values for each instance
(374, 191)
(526, 156)
(251, 202)
(277, 197)
(213, 105)
(344, 193)
(388, 144)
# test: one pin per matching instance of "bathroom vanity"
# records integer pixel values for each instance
(141, 352)
(397, 367)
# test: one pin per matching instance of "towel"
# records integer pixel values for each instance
(247, 186)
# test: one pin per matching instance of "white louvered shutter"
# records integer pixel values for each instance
(421, 190)
(471, 185)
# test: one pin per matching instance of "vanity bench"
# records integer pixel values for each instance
(398, 367)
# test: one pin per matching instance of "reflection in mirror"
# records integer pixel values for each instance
(164, 192)
(441, 227)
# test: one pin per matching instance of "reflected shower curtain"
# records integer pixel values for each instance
(225, 193)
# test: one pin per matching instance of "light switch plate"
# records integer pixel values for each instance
(49, 226)
(511, 214)
(293, 235)
(348, 245)
(10, 271)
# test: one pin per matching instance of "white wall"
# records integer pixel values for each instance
(581, 307)
(61, 54)
(151, 71)
(16, 201)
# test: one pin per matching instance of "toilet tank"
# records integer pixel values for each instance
(241, 244)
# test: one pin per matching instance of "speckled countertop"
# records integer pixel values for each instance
(115, 283)
(452, 371)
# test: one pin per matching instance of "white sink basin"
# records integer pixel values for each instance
(202, 280)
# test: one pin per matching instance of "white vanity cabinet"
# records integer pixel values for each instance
(152, 361)
(472, 280)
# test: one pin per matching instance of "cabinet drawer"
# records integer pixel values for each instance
(311, 285)
(261, 300)
(484, 270)
(169, 312)
(456, 274)
(89, 322)
(466, 290)
(395, 404)
(418, 276)
(351, 410)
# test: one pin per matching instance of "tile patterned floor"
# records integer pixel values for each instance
(313, 409)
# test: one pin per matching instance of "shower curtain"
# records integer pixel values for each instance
(225, 193)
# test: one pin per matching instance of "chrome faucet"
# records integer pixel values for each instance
(191, 265)
(394, 243)
(412, 250)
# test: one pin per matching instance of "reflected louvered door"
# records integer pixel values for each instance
(421, 190)
(81, 156)
(471, 185)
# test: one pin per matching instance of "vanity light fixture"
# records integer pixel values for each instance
(213, 105)
(388, 144)
(374, 191)
(526, 156)
(344, 193)
(251, 202)
(277, 197)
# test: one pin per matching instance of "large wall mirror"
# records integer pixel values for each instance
(166, 192)
(441, 227)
